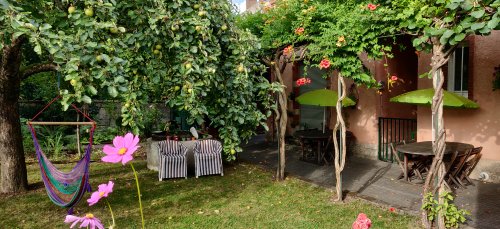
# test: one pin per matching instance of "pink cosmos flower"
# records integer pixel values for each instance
(362, 222)
(87, 221)
(371, 6)
(299, 31)
(325, 63)
(103, 191)
(122, 149)
(394, 78)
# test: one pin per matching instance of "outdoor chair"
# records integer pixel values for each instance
(172, 159)
(208, 158)
(464, 165)
(416, 165)
(470, 164)
(455, 169)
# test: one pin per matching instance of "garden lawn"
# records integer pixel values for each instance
(245, 197)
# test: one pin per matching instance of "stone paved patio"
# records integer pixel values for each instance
(376, 181)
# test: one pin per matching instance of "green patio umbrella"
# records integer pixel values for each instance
(424, 97)
(324, 98)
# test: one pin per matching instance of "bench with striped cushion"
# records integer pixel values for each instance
(208, 158)
(173, 162)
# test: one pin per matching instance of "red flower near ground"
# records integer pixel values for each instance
(394, 78)
(324, 64)
(362, 222)
(288, 50)
(391, 209)
(299, 31)
(371, 7)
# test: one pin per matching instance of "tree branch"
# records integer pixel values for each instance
(301, 50)
(267, 61)
(37, 68)
(17, 41)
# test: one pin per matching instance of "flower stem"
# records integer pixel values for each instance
(110, 210)
(138, 193)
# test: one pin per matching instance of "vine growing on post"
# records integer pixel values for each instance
(354, 28)
(439, 26)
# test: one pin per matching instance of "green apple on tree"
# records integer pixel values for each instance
(89, 12)
(71, 9)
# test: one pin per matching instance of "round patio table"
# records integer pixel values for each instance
(425, 149)
(317, 137)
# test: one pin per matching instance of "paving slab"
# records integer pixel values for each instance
(377, 181)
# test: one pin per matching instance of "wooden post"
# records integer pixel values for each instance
(437, 169)
(78, 136)
(340, 150)
(283, 119)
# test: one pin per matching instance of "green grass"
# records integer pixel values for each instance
(245, 197)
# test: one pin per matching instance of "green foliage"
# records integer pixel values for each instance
(453, 216)
(186, 53)
(448, 22)
(105, 135)
(54, 145)
(335, 30)
(42, 87)
(28, 146)
(51, 140)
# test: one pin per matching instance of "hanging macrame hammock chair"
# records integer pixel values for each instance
(65, 189)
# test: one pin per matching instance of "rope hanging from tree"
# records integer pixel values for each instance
(65, 189)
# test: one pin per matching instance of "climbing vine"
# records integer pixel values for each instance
(440, 26)
(330, 35)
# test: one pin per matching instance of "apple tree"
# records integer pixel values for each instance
(186, 53)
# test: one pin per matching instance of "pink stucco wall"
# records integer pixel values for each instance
(479, 127)
(362, 119)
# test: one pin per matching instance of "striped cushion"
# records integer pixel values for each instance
(173, 163)
(208, 158)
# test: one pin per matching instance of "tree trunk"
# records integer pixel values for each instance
(283, 119)
(340, 151)
(437, 169)
(13, 176)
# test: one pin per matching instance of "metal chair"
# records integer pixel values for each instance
(208, 158)
(173, 161)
